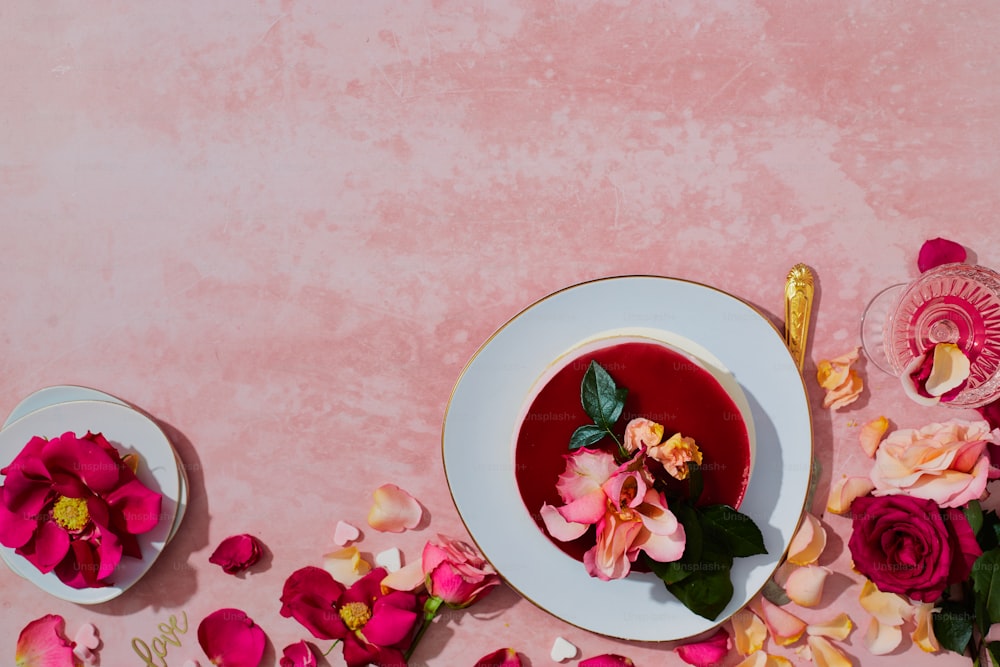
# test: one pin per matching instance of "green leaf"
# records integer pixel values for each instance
(738, 531)
(601, 399)
(670, 573)
(706, 592)
(989, 534)
(994, 651)
(586, 435)
(986, 584)
(974, 514)
(696, 482)
(953, 625)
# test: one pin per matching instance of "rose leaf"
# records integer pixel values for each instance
(706, 592)
(974, 514)
(953, 626)
(586, 435)
(986, 584)
(602, 400)
(736, 530)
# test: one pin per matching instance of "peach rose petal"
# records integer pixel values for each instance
(871, 435)
(749, 632)
(843, 385)
(837, 627)
(882, 638)
(558, 527)
(808, 542)
(785, 627)
(923, 634)
(394, 510)
(761, 659)
(805, 585)
(950, 369)
(346, 565)
(845, 490)
(888, 608)
(825, 654)
(407, 578)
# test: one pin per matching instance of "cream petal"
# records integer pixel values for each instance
(808, 542)
(749, 632)
(888, 608)
(346, 565)
(805, 585)
(949, 370)
(923, 634)
(558, 527)
(882, 638)
(837, 627)
(407, 578)
(785, 627)
(394, 510)
(845, 490)
(825, 654)
(871, 434)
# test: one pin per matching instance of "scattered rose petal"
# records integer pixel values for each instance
(562, 649)
(785, 627)
(394, 510)
(87, 642)
(345, 533)
(749, 632)
(391, 559)
(805, 584)
(761, 659)
(42, 644)
(844, 492)
(842, 383)
(888, 608)
(235, 554)
(825, 654)
(558, 527)
(705, 653)
(347, 565)
(837, 627)
(407, 578)
(871, 434)
(230, 638)
(804, 652)
(949, 371)
(299, 654)
(923, 634)
(882, 638)
(936, 252)
(504, 657)
(607, 660)
(808, 542)
(913, 377)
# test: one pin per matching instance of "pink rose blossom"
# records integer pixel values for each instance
(936, 252)
(42, 644)
(235, 554)
(230, 638)
(72, 506)
(675, 453)
(456, 572)
(642, 433)
(944, 462)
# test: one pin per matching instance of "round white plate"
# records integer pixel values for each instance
(128, 431)
(482, 415)
(66, 393)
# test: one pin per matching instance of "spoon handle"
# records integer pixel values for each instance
(798, 307)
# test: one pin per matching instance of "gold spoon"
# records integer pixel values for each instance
(798, 307)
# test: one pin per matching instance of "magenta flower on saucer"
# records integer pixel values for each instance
(72, 506)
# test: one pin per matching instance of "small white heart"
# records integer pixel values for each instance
(562, 650)
(344, 533)
(390, 559)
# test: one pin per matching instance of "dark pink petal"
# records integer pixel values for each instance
(235, 554)
(16, 528)
(28, 462)
(230, 638)
(707, 653)
(608, 660)
(138, 505)
(503, 657)
(358, 654)
(42, 644)
(390, 624)
(299, 654)
(309, 596)
(49, 547)
(991, 413)
(109, 555)
(964, 547)
(83, 459)
(367, 588)
(936, 252)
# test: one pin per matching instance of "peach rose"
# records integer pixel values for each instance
(944, 462)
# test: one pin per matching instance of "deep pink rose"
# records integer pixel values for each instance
(936, 252)
(235, 554)
(910, 546)
(230, 638)
(71, 505)
(456, 572)
(375, 627)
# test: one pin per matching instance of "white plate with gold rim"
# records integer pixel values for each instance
(488, 400)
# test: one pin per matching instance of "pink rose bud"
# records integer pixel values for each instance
(504, 657)
(456, 572)
(235, 554)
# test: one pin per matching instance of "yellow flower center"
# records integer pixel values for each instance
(355, 615)
(71, 513)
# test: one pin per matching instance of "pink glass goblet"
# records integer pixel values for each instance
(952, 303)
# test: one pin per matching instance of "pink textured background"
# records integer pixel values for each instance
(283, 228)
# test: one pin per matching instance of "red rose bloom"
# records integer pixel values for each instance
(910, 546)
(73, 506)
